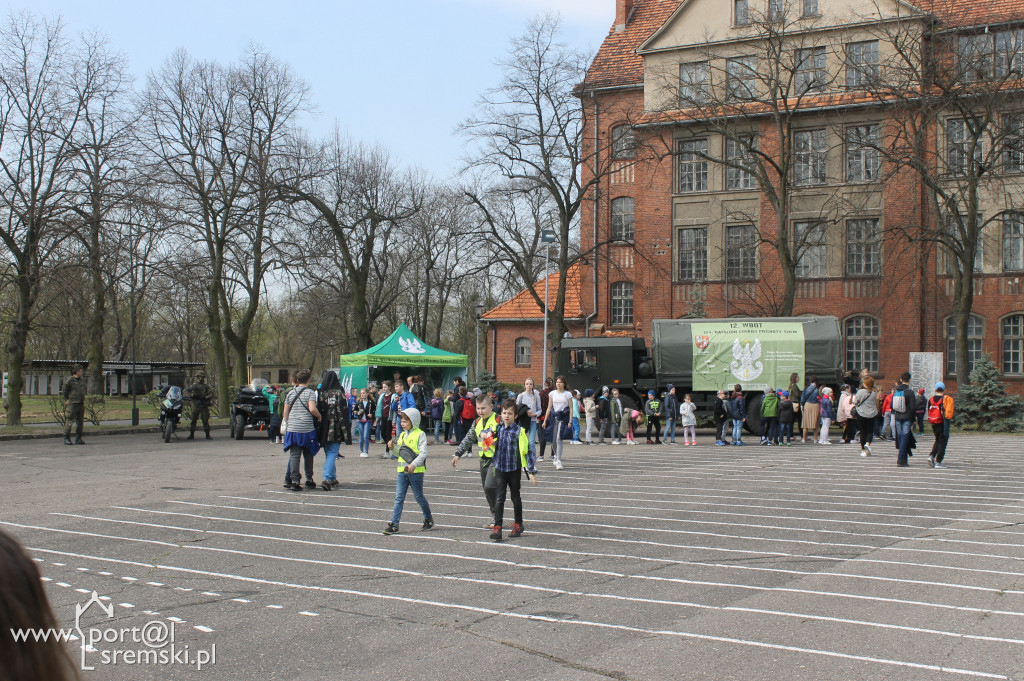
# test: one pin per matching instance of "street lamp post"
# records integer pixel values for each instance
(547, 237)
(479, 309)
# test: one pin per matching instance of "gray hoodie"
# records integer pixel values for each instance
(414, 417)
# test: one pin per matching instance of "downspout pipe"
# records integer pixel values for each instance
(597, 197)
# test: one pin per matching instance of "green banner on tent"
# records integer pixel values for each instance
(757, 355)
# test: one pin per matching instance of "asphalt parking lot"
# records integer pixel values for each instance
(796, 563)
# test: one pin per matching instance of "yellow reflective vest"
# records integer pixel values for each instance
(411, 439)
(487, 452)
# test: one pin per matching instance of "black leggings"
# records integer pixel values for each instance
(867, 430)
(511, 482)
(850, 429)
(654, 422)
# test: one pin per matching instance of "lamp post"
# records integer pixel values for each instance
(547, 237)
(479, 309)
(134, 303)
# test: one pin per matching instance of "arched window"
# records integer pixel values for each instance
(862, 335)
(1013, 344)
(975, 334)
(622, 219)
(522, 352)
(623, 143)
(622, 303)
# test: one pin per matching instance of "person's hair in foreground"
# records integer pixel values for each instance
(23, 605)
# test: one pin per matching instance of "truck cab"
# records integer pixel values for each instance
(621, 363)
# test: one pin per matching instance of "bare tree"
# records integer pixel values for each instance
(956, 126)
(102, 166)
(40, 112)
(529, 135)
(362, 198)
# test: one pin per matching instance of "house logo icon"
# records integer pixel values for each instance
(81, 610)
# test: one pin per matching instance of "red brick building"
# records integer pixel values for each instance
(672, 235)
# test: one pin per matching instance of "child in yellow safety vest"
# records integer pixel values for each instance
(411, 448)
(481, 433)
(511, 456)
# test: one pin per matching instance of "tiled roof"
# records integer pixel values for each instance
(972, 12)
(523, 306)
(617, 63)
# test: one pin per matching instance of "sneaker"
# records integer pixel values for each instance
(67, 441)
(719, 443)
(364, 455)
(740, 443)
(826, 442)
(287, 484)
(616, 442)
(902, 465)
(295, 487)
(310, 484)
(868, 448)
(540, 458)
(328, 485)
(496, 532)
(650, 443)
(428, 523)
(517, 530)
(391, 529)
(558, 466)
(940, 465)
(863, 453)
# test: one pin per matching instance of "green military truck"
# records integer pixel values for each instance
(701, 356)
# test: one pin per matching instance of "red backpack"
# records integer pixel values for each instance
(468, 408)
(935, 409)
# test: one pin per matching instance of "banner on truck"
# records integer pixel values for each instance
(757, 355)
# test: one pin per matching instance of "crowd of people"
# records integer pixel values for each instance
(512, 432)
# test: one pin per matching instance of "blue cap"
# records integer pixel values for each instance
(785, 393)
(650, 393)
(940, 386)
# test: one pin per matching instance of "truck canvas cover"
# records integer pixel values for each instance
(709, 354)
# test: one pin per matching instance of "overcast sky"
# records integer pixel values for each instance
(400, 72)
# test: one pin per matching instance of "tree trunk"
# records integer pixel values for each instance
(964, 300)
(218, 352)
(97, 316)
(16, 351)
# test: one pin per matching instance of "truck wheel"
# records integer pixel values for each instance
(239, 426)
(753, 424)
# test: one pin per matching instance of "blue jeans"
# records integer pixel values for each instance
(402, 485)
(786, 432)
(670, 431)
(376, 433)
(437, 430)
(331, 450)
(903, 437)
(364, 438)
(737, 430)
(533, 434)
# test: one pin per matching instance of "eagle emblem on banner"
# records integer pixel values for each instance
(746, 366)
(411, 346)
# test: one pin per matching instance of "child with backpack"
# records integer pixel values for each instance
(436, 412)
(738, 413)
(411, 446)
(940, 414)
(787, 414)
(512, 456)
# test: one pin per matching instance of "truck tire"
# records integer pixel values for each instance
(753, 424)
(238, 426)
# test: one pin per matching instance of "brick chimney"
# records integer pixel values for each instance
(623, 8)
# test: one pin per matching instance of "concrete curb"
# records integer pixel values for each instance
(97, 431)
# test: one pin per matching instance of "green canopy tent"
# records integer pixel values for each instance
(401, 349)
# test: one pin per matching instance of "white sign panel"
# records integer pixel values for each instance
(925, 370)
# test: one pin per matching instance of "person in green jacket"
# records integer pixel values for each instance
(74, 405)
(769, 418)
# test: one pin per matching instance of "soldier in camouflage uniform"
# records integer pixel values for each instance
(74, 405)
(201, 394)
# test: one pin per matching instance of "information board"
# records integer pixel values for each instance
(925, 370)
